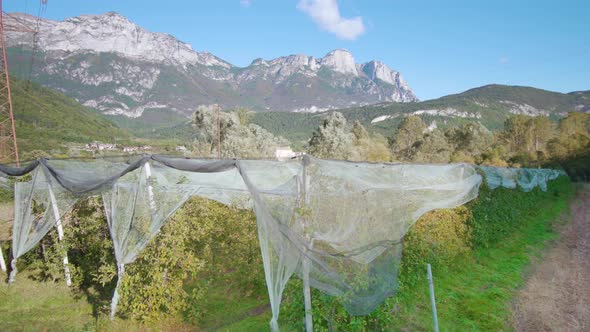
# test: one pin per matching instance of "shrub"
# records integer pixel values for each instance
(438, 237)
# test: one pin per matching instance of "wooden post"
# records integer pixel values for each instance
(306, 262)
(60, 233)
(432, 301)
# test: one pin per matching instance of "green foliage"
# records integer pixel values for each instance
(525, 141)
(205, 243)
(577, 167)
(225, 240)
(333, 139)
(495, 215)
(244, 115)
(238, 138)
(153, 285)
(372, 148)
(413, 142)
(296, 127)
(6, 194)
(408, 138)
(571, 148)
(439, 237)
(46, 120)
(471, 140)
(434, 148)
(493, 103)
(359, 131)
(526, 137)
(90, 251)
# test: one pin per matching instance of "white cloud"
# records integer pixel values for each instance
(326, 14)
(245, 3)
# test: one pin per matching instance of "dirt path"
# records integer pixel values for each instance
(556, 296)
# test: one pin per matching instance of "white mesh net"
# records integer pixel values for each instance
(338, 225)
(38, 205)
(526, 178)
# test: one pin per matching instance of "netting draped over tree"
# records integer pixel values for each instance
(337, 225)
(526, 178)
(340, 224)
(38, 206)
(140, 202)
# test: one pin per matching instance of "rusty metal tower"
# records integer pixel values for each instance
(8, 144)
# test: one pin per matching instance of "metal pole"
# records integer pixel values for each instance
(307, 296)
(60, 234)
(148, 175)
(11, 137)
(432, 301)
(2, 262)
(306, 263)
(218, 135)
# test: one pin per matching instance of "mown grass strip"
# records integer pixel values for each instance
(475, 293)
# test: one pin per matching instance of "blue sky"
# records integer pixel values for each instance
(440, 47)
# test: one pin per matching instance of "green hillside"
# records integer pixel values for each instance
(491, 105)
(48, 120)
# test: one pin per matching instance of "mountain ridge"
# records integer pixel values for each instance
(489, 105)
(114, 65)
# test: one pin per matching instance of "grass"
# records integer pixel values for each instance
(227, 308)
(36, 306)
(475, 294)
(29, 305)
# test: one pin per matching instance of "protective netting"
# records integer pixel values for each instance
(338, 225)
(141, 201)
(526, 178)
(38, 205)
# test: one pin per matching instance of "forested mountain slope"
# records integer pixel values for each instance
(490, 105)
(47, 120)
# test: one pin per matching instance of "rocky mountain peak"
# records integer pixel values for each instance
(341, 61)
(259, 62)
(110, 33)
(297, 61)
(379, 70)
(109, 63)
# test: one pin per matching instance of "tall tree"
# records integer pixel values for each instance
(359, 131)
(573, 136)
(516, 134)
(435, 148)
(332, 139)
(471, 142)
(239, 139)
(527, 137)
(244, 115)
(542, 130)
(369, 147)
(407, 138)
